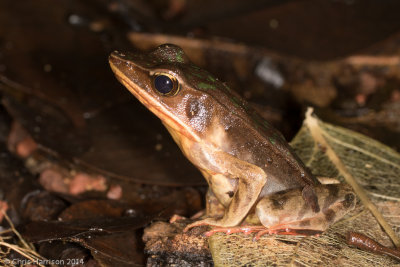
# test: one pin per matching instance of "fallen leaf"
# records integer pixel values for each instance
(372, 165)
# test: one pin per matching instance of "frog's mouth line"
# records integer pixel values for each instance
(152, 104)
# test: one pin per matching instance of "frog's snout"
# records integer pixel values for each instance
(116, 57)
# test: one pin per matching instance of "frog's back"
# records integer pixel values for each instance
(250, 137)
(242, 132)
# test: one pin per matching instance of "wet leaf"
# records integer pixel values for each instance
(54, 230)
(352, 155)
(119, 249)
(98, 226)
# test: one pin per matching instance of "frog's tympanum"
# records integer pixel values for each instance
(256, 181)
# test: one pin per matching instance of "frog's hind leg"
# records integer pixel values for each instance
(246, 229)
(262, 230)
(289, 213)
(214, 208)
(286, 230)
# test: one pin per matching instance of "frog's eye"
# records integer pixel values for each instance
(166, 84)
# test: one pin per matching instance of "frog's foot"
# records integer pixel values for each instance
(207, 221)
(261, 230)
(198, 215)
(176, 218)
(246, 229)
(284, 230)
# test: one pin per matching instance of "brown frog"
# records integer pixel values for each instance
(254, 176)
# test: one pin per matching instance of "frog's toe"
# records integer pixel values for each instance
(245, 229)
(176, 218)
(208, 221)
(199, 215)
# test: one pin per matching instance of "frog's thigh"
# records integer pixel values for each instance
(289, 210)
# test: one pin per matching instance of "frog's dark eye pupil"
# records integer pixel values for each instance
(163, 84)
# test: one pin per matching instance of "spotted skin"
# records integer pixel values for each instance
(335, 201)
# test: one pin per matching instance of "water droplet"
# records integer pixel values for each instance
(130, 213)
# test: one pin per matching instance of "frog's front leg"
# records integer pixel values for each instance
(250, 181)
(214, 207)
(224, 188)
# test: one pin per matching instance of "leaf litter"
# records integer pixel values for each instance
(370, 167)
